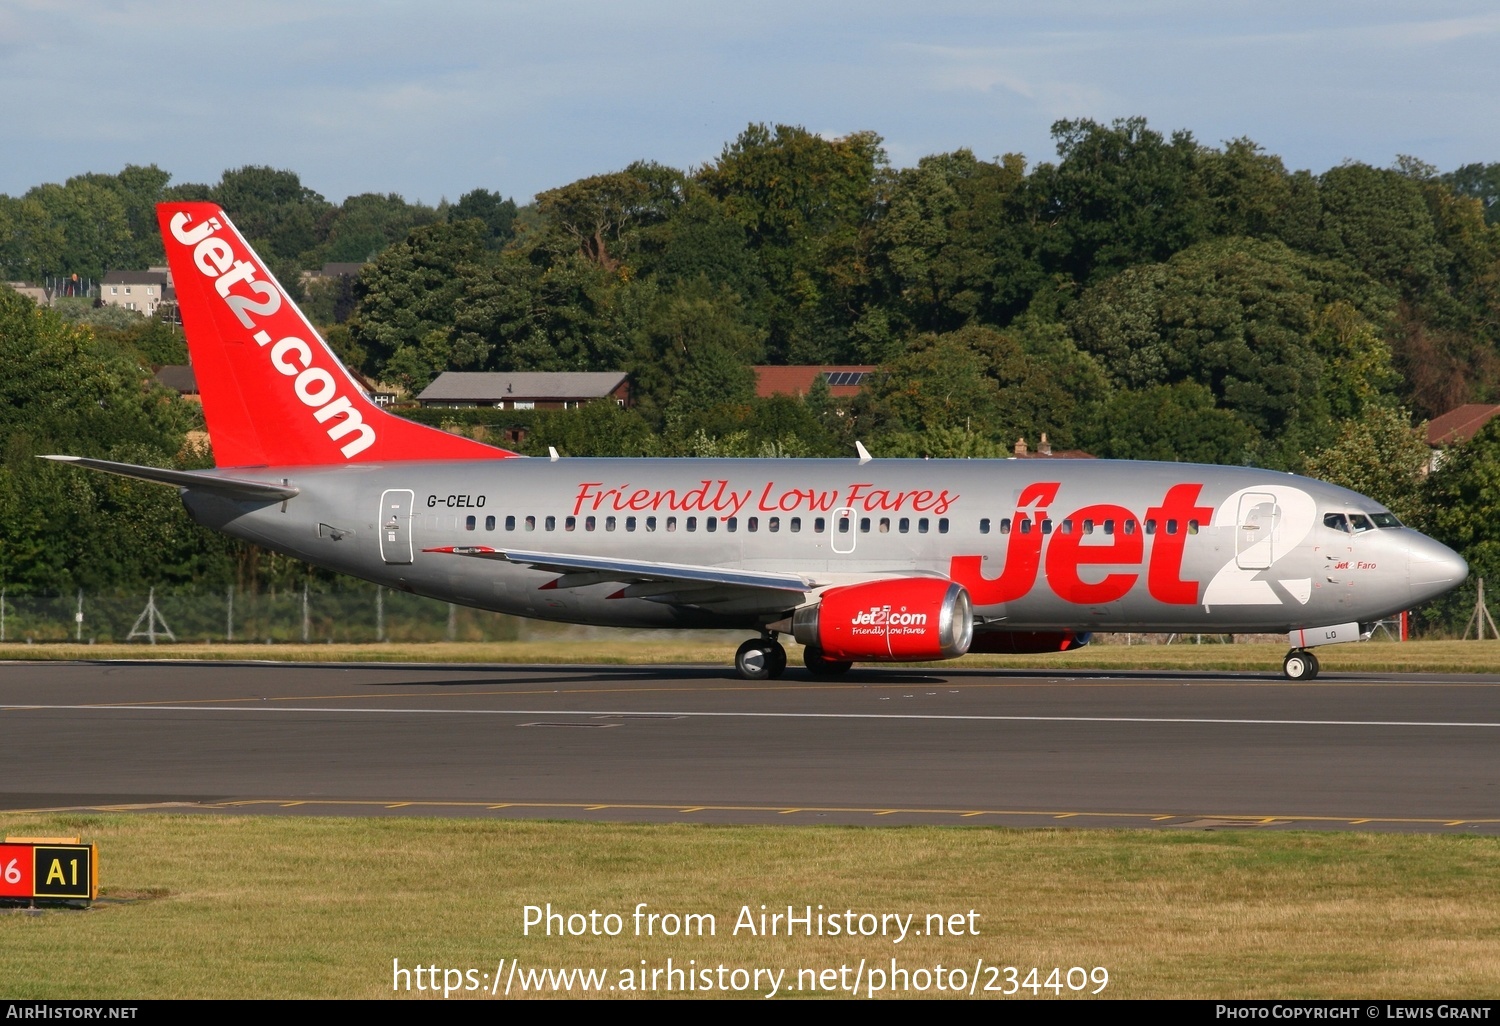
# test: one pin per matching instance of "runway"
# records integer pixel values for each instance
(884, 746)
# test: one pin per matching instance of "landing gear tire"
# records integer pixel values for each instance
(821, 666)
(760, 659)
(1300, 666)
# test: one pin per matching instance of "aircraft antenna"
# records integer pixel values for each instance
(552, 453)
(864, 454)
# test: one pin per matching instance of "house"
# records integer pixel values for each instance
(1044, 451)
(141, 291)
(179, 378)
(1459, 425)
(843, 381)
(525, 390)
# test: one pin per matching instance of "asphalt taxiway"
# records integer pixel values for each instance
(689, 744)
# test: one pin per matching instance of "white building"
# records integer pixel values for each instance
(141, 291)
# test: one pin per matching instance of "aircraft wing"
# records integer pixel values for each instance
(712, 587)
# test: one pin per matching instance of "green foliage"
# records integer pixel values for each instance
(1176, 423)
(1381, 455)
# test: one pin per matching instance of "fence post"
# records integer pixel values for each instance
(229, 613)
(78, 619)
(452, 622)
(304, 613)
(379, 613)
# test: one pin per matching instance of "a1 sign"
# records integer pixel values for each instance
(48, 870)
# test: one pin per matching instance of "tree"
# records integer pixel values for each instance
(497, 213)
(1381, 455)
(804, 203)
(1176, 423)
(407, 299)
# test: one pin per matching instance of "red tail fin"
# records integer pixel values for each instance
(273, 392)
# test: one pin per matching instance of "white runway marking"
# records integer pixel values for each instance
(637, 713)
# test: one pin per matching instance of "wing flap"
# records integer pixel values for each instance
(678, 584)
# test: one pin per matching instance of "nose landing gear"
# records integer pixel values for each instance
(1300, 665)
(760, 659)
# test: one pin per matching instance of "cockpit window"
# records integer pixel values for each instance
(1337, 521)
(1385, 520)
(1361, 522)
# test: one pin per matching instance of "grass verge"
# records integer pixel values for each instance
(254, 906)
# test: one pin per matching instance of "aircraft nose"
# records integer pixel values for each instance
(1433, 568)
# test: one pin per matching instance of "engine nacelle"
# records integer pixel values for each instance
(1028, 642)
(901, 620)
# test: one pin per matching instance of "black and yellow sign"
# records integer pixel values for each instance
(31, 869)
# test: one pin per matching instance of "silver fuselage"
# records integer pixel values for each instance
(1090, 545)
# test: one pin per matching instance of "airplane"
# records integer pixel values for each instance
(858, 559)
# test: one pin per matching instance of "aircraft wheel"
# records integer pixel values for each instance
(1316, 669)
(756, 659)
(1300, 666)
(777, 659)
(820, 666)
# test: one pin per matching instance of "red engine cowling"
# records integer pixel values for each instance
(902, 620)
(1028, 642)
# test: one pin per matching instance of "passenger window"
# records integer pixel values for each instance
(905, 526)
(510, 523)
(984, 525)
(692, 523)
(551, 523)
(470, 522)
(922, 525)
(795, 525)
(1025, 525)
(773, 524)
(589, 523)
(864, 525)
(731, 524)
(1172, 526)
(844, 525)
(1067, 525)
(1150, 526)
(650, 524)
(885, 525)
(630, 523)
(531, 523)
(1046, 525)
(1005, 525)
(570, 523)
(671, 523)
(1192, 527)
(943, 525)
(1109, 527)
(609, 523)
(819, 524)
(752, 524)
(1130, 527)
(711, 523)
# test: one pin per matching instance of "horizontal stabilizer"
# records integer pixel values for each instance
(235, 488)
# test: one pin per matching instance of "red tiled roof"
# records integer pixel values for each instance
(798, 380)
(1459, 425)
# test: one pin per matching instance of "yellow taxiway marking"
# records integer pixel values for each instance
(1154, 817)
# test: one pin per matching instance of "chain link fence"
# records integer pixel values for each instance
(354, 614)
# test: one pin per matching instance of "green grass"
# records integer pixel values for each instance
(1370, 657)
(257, 906)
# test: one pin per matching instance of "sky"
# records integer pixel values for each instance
(433, 100)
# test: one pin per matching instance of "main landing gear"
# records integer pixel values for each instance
(1300, 665)
(760, 659)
